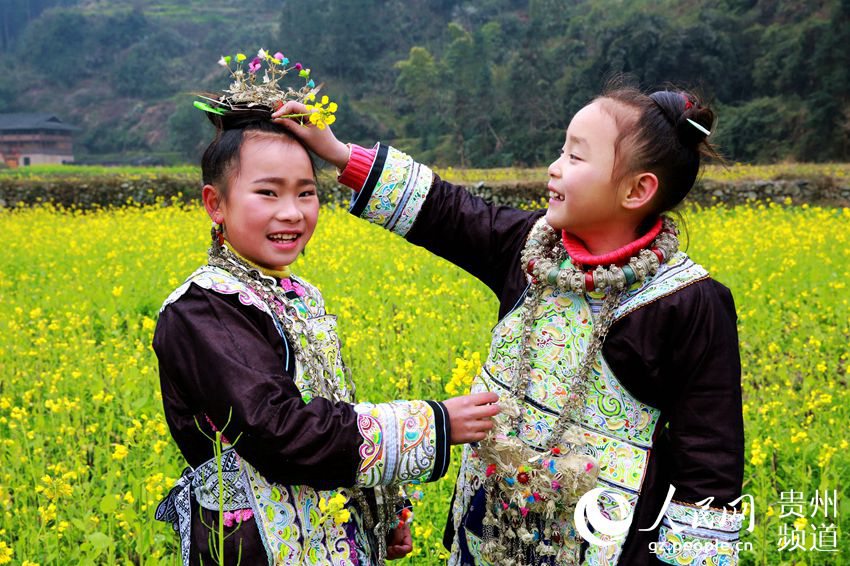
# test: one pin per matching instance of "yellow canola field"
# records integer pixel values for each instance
(85, 453)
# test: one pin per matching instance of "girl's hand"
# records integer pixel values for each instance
(322, 142)
(471, 416)
(399, 542)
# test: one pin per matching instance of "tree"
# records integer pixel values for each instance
(188, 130)
(146, 68)
(759, 130)
(419, 82)
(58, 41)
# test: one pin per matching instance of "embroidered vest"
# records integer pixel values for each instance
(618, 429)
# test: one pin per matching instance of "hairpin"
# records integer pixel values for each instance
(698, 127)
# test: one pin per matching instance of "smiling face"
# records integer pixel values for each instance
(271, 207)
(583, 197)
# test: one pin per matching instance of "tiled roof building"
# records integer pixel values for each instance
(31, 139)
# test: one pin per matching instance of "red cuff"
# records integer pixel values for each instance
(359, 165)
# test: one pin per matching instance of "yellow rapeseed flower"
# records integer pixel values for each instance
(465, 370)
(48, 513)
(799, 436)
(334, 508)
(757, 455)
(159, 446)
(120, 452)
(322, 113)
(786, 266)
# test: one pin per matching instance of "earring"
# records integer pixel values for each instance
(217, 233)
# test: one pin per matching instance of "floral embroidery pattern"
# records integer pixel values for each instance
(707, 517)
(711, 552)
(215, 279)
(679, 272)
(416, 192)
(698, 535)
(399, 193)
(399, 442)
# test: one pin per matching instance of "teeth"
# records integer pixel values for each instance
(283, 237)
(554, 195)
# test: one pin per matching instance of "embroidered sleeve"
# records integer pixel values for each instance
(699, 535)
(407, 198)
(404, 441)
(394, 191)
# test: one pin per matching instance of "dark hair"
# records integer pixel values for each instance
(658, 138)
(222, 155)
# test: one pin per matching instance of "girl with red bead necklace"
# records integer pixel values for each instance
(615, 357)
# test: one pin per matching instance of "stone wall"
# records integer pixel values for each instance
(825, 191)
(117, 191)
(106, 191)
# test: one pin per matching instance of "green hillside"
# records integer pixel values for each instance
(486, 83)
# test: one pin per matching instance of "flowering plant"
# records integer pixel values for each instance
(334, 508)
(260, 86)
(320, 114)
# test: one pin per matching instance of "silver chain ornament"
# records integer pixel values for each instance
(316, 368)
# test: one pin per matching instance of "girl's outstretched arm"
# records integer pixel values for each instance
(220, 359)
(407, 198)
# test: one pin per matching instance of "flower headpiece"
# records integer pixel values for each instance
(259, 88)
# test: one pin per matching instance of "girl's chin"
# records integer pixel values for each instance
(283, 260)
(554, 219)
(272, 259)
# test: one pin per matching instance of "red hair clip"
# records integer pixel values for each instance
(688, 103)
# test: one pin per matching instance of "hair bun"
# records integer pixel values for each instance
(694, 124)
(239, 119)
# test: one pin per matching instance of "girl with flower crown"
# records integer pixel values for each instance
(246, 349)
(615, 357)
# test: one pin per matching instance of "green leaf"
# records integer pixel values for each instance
(108, 504)
(99, 541)
(207, 108)
(129, 514)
